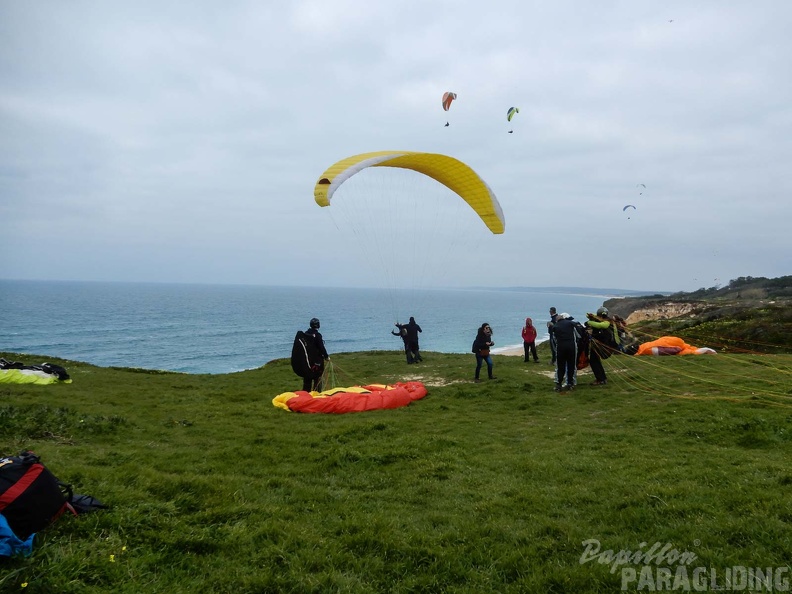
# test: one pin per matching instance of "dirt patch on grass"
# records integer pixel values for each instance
(435, 382)
(552, 374)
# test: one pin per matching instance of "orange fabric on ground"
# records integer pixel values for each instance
(670, 345)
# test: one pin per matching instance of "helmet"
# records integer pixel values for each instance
(314, 322)
(603, 312)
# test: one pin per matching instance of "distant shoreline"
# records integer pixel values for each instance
(512, 352)
(516, 350)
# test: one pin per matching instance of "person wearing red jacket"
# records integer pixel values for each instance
(529, 340)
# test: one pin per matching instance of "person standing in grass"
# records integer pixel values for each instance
(604, 342)
(529, 340)
(481, 347)
(567, 332)
(550, 326)
(409, 334)
(403, 334)
(412, 339)
(308, 357)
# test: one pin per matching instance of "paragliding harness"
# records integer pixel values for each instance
(583, 344)
(604, 341)
(31, 497)
(629, 343)
(306, 358)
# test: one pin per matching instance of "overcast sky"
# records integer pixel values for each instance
(181, 141)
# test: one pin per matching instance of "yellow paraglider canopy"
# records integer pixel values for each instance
(450, 172)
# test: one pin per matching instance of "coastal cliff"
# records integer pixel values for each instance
(751, 314)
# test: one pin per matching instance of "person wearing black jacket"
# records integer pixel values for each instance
(409, 334)
(566, 331)
(550, 326)
(481, 346)
(314, 381)
(412, 339)
(402, 333)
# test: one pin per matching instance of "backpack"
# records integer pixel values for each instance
(306, 358)
(31, 497)
(583, 343)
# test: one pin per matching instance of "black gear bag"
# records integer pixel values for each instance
(31, 497)
(306, 358)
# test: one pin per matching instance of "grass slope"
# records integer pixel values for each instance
(489, 487)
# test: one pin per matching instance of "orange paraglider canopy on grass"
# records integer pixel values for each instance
(671, 345)
(353, 399)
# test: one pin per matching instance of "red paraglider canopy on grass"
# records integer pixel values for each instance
(353, 399)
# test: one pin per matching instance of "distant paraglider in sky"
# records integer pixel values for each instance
(510, 114)
(448, 97)
(640, 186)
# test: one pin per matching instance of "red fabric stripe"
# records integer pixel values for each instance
(399, 394)
(20, 486)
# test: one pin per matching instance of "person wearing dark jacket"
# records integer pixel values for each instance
(412, 339)
(403, 334)
(567, 332)
(481, 346)
(550, 326)
(315, 381)
(605, 341)
(409, 334)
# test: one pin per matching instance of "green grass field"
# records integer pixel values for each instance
(490, 487)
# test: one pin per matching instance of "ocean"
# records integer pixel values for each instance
(228, 328)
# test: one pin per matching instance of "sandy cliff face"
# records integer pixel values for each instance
(662, 311)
